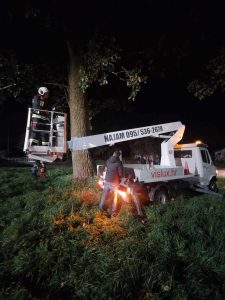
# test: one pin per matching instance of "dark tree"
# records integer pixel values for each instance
(72, 37)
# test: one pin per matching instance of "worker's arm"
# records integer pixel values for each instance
(35, 102)
(120, 170)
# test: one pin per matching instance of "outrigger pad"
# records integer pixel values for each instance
(46, 158)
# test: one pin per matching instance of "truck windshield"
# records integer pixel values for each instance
(205, 156)
(183, 153)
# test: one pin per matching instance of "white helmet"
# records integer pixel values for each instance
(42, 90)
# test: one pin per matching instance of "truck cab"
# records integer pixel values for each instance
(195, 159)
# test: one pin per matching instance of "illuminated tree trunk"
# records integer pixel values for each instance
(83, 166)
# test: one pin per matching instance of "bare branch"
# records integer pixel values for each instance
(134, 53)
(117, 75)
(57, 84)
(7, 86)
(66, 96)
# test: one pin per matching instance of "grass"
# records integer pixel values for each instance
(54, 244)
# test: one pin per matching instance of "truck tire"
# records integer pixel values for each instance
(161, 196)
(212, 185)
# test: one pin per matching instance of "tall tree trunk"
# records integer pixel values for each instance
(83, 165)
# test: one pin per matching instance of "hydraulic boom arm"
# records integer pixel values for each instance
(160, 131)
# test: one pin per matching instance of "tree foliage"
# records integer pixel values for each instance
(87, 58)
(103, 59)
(213, 78)
(16, 76)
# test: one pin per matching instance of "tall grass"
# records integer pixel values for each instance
(56, 245)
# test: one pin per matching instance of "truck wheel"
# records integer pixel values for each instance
(161, 196)
(213, 186)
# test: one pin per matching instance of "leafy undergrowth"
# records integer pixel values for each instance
(56, 245)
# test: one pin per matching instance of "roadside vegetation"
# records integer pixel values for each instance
(54, 244)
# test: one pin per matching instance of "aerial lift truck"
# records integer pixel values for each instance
(181, 166)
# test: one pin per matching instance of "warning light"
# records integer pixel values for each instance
(198, 142)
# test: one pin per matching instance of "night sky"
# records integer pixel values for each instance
(195, 26)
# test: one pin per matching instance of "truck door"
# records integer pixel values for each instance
(208, 168)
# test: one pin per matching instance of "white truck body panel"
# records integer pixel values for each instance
(157, 173)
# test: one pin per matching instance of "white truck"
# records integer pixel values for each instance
(181, 166)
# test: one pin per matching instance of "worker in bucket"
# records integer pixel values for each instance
(114, 173)
(40, 118)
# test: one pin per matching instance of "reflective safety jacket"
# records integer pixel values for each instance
(40, 107)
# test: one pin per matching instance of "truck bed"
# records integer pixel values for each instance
(148, 174)
(155, 173)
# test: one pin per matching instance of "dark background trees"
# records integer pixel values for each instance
(94, 57)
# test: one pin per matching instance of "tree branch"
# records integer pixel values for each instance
(57, 84)
(117, 75)
(7, 86)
